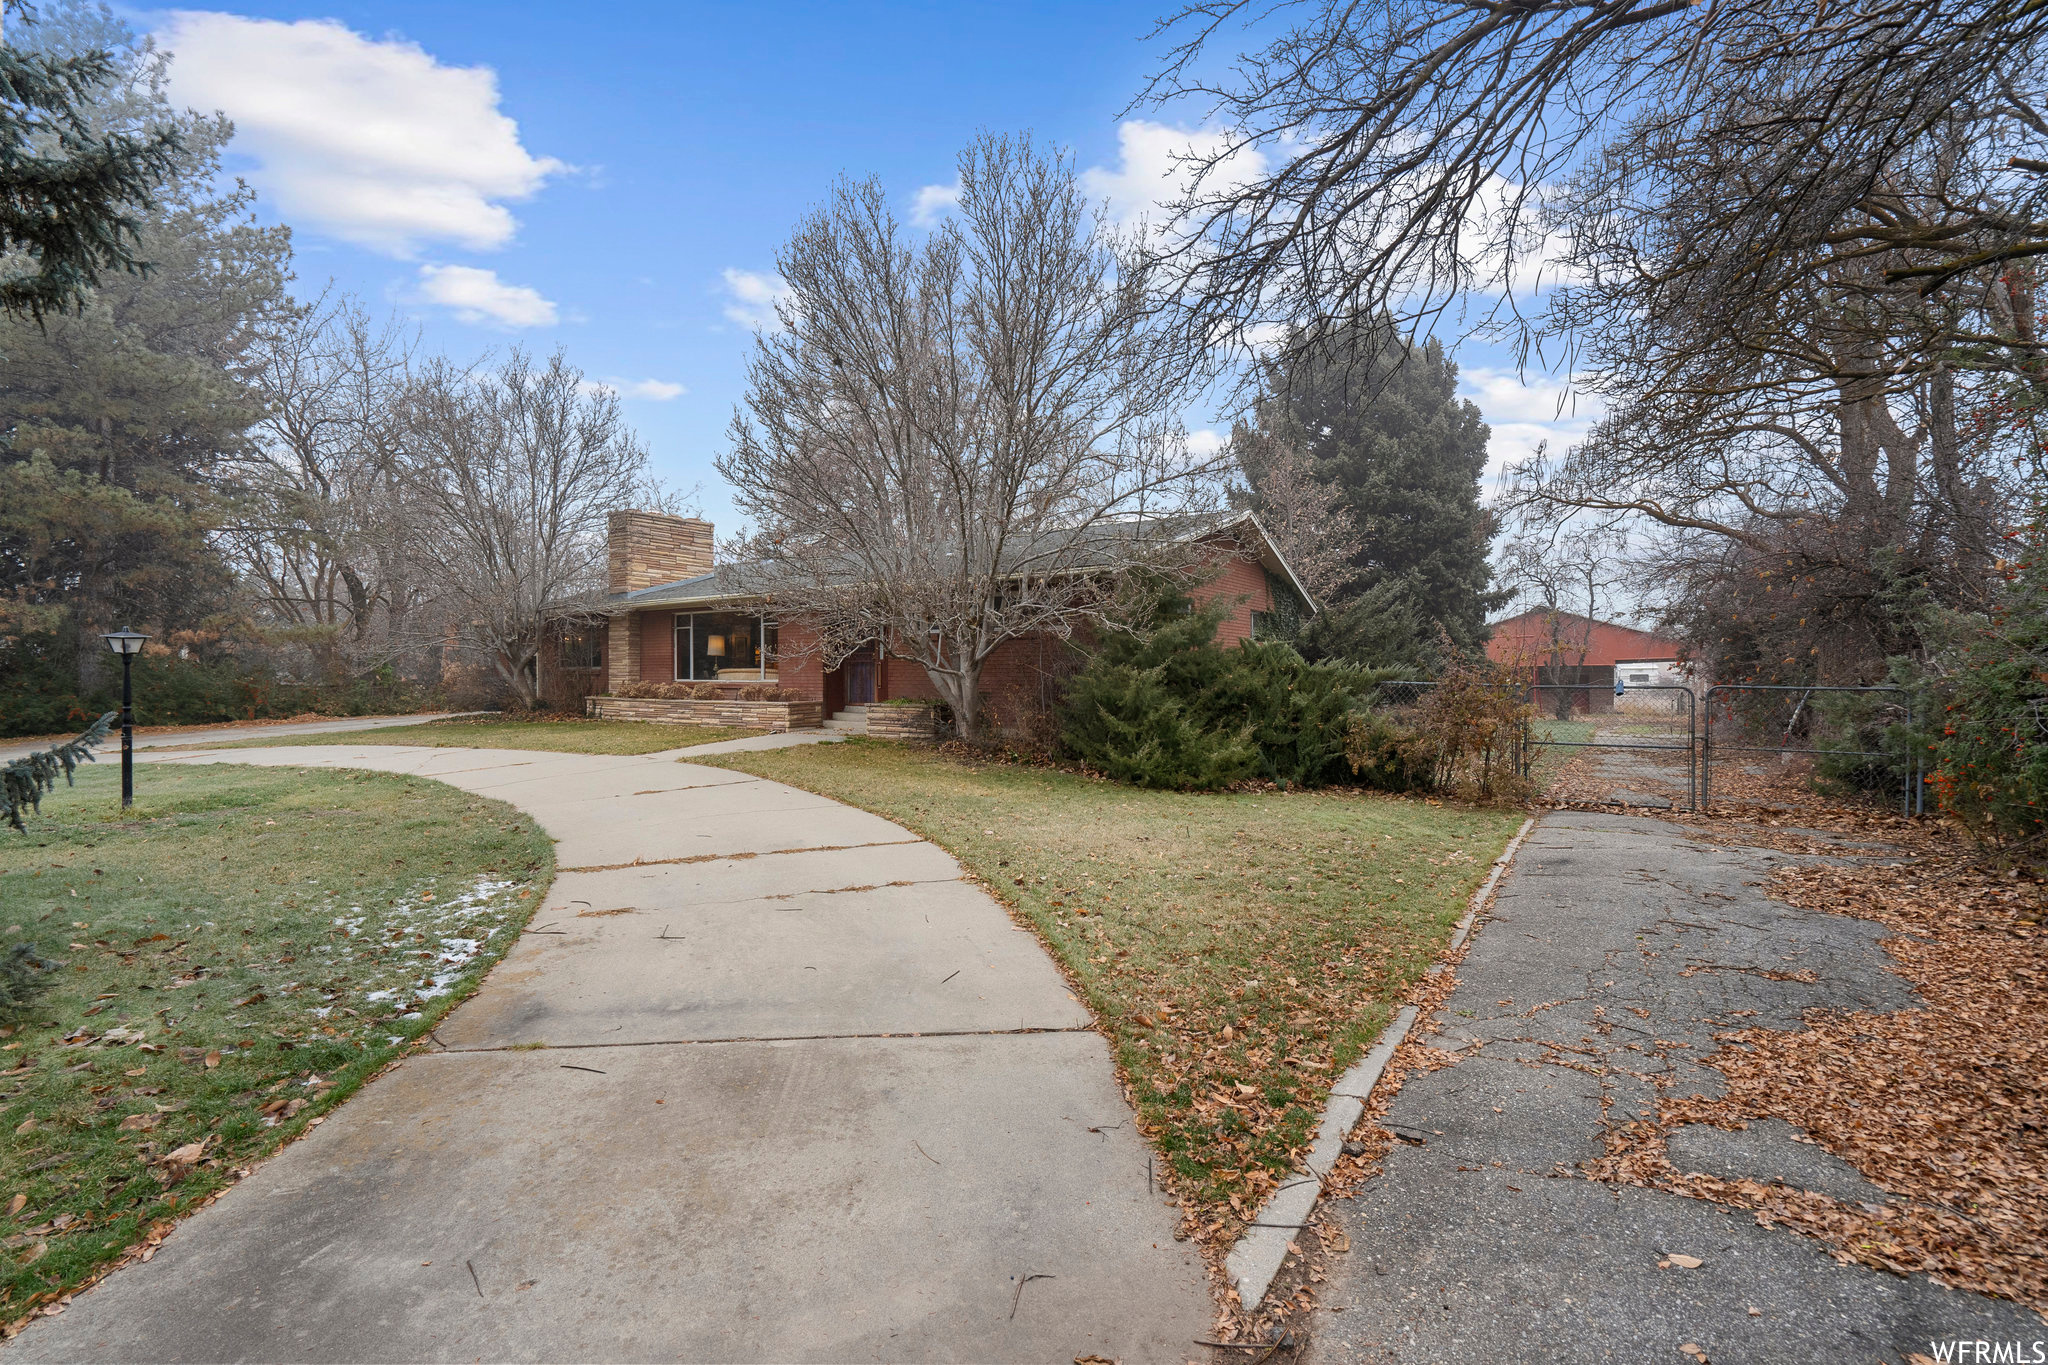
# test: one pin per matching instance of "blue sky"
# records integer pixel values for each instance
(615, 178)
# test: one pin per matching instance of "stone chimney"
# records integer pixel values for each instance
(647, 549)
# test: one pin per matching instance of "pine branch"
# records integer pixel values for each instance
(23, 782)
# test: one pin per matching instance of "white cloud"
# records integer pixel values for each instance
(1205, 442)
(376, 143)
(933, 203)
(753, 296)
(1525, 413)
(1149, 175)
(653, 390)
(480, 296)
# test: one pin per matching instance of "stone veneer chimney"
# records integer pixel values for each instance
(647, 549)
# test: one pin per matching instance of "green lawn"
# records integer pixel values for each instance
(1239, 950)
(497, 732)
(239, 953)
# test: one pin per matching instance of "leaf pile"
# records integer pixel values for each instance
(1945, 1106)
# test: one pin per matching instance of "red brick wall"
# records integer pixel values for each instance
(657, 646)
(796, 669)
(1240, 578)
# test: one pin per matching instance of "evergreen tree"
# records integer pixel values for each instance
(123, 424)
(70, 192)
(1380, 420)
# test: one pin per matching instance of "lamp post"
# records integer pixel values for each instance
(127, 644)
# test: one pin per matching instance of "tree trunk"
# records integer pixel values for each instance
(960, 689)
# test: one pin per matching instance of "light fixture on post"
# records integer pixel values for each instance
(127, 644)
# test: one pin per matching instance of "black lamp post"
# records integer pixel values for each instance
(127, 644)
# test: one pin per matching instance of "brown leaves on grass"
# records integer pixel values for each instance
(1945, 1105)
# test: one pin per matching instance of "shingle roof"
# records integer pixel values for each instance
(736, 582)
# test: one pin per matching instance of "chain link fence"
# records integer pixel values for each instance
(1667, 743)
(1651, 731)
(1647, 736)
(1847, 741)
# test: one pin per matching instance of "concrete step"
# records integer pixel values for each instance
(851, 721)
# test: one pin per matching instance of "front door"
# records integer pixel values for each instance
(860, 679)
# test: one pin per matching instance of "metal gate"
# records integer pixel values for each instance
(1760, 718)
(1654, 728)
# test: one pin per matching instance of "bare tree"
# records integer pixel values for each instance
(515, 469)
(1569, 574)
(1305, 515)
(1413, 144)
(963, 441)
(320, 533)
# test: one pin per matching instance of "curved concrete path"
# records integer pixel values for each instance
(764, 1080)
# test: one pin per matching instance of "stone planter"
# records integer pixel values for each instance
(903, 722)
(773, 716)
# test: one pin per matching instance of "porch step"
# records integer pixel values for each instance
(851, 721)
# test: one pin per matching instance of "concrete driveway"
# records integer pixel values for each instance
(764, 1080)
(1616, 949)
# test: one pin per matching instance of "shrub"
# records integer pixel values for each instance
(704, 691)
(40, 692)
(1299, 713)
(1385, 754)
(1170, 708)
(1991, 751)
(1475, 728)
(1137, 712)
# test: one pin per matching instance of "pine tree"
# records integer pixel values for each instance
(69, 193)
(1379, 418)
(124, 419)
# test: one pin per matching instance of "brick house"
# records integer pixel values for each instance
(675, 615)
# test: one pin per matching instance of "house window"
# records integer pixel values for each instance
(1262, 625)
(583, 647)
(724, 646)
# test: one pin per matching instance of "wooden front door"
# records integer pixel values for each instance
(860, 679)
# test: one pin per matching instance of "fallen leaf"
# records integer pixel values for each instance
(139, 1123)
(212, 1060)
(16, 1204)
(27, 1125)
(1684, 1262)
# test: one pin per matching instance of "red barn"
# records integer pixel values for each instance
(1564, 649)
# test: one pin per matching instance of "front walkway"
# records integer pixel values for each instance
(1616, 949)
(764, 1080)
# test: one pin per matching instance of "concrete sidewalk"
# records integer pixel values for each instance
(1616, 949)
(765, 1080)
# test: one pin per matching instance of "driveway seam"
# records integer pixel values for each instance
(775, 1038)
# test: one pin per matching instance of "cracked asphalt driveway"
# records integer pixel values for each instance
(1616, 948)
